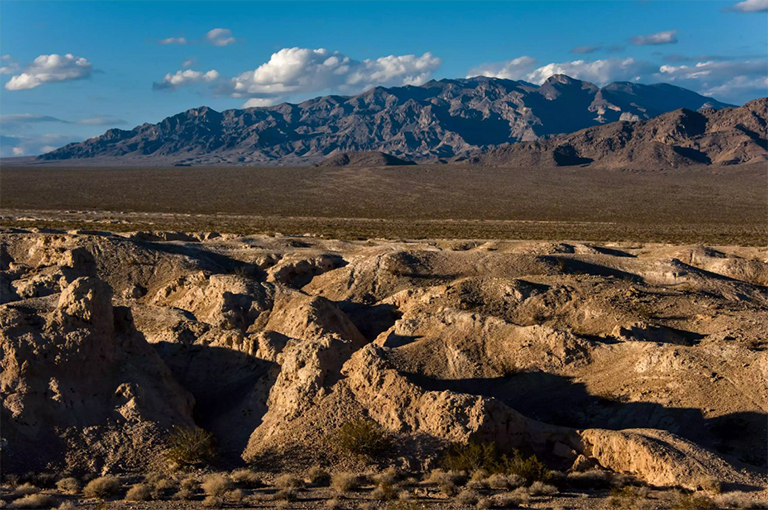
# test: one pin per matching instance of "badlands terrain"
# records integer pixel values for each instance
(635, 372)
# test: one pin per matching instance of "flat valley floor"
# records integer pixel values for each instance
(714, 205)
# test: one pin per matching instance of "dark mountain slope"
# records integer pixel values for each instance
(440, 119)
(679, 138)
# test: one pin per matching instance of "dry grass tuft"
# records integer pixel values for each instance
(285, 495)
(542, 489)
(288, 481)
(34, 501)
(739, 500)
(344, 482)
(68, 485)
(213, 502)
(102, 487)
(692, 501)
(25, 489)
(318, 476)
(467, 497)
(246, 478)
(216, 484)
(139, 492)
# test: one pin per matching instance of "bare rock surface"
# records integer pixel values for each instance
(640, 358)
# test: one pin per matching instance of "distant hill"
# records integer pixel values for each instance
(678, 138)
(364, 159)
(440, 119)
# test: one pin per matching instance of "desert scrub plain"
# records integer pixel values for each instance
(188, 369)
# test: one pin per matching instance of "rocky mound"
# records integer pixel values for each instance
(364, 159)
(574, 352)
(679, 138)
(437, 120)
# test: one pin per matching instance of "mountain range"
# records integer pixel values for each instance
(441, 120)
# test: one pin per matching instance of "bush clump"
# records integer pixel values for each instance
(190, 445)
(68, 485)
(216, 484)
(34, 501)
(344, 482)
(102, 487)
(139, 492)
(318, 476)
(484, 458)
(364, 438)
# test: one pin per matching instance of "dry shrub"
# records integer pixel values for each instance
(213, 502)
(439, 476)
(25, 489)
(478, 475)
(235, 496)
(334, 504)
(344, 482)
(289, 481)
(448, 489)
(102, 487)
(484, 504)
(711, 485)
(318, 476)
(498, 481)
(630, 498)
(139, 492)
(184, 494)
(189, 483)
(216, 484)
(246, 478)
(388, 476)
(285, 495)
(190, 445)
(68, 485)
(384, 492)
(592, 479)
(739, 500)
(509, 499)
(34, 501)
(67, 505)
(542, 489)
(692, 501)
(467, 497)
(364, 438)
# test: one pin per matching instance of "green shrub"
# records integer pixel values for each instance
(190, 445)
(531, 469)
(364, 438)
(472, 457)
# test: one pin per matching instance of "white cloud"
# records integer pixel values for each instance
(751, 6)
(49, 69)
(33, 145)
(305, 70)
(220, 37)
(185, 77)
(18, 151)
(516, 69)
(189, 62)
(9, 65)
(597, 71)
(726, 80)
(173, 40)
(666, 37)
(257, 102)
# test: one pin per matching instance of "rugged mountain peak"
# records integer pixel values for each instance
(441, 119)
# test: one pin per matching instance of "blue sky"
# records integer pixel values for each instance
(71, 70)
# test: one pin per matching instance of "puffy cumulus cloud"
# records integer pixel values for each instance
(751, 6)
(9, 66)
(729, 80)
(173, 40)
(185, 77)
(305, 70)
(666, 37)
(516, 69)
(50, 69)
(189, 62)
(597, 71)
(220, 37)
